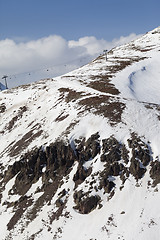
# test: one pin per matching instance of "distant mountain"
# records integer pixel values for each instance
(2, 87)
(80, 155)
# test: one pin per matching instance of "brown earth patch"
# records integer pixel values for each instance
(103, 84)
(24, 142)
(61, 117)
(70, 94)
(16, 118)
(102, 105)
(19, 207)
(121, 64)
(138, 48)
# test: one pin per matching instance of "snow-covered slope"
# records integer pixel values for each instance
(79, 154)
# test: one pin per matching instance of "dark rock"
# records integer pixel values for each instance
(86, 205)
(116, 169)
(89, 149)
(57, 157)
(140, 150)
(92, 145)
(59, 202)
(78, 196)
(135, 169)
(140, 156)
(81, 174)
(107, 185)
(124, 175)
(124, 153)
(111, 150)
(12, 170)
(62, 193)
(2, 108)
(89, 204)
(155, 172)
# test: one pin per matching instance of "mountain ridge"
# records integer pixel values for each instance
(79, 153)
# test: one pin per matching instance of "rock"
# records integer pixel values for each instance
(135, 169)
(59, 203)
(111, 150)
(57, 157)
(78, 196)
(81, 174)
(124, 153)
(89, 149)
(116, 169)
(140, 150)
(155, 172)
(86, 205)
(107, 185)
(140, 156)
(89, 204)
(2, 108)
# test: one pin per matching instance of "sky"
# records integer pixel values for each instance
(36, 34)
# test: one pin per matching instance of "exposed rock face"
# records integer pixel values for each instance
(57, 157)
(81, 174)
(135, 169)
(2, 108)
(140, 156)
(106, 184)
(111, 151)
(89, 149)
(155, 172)
(56, 161)
(52, 165)
(84, 203)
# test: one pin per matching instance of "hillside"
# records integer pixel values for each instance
(79, 154)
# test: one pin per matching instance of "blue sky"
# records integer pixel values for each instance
(72, 19)
(39, 34)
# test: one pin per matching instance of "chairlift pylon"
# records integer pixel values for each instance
(105, 52)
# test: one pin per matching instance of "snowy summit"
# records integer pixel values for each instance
(79, 154)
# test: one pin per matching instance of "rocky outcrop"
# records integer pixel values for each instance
(87, 150)
(2, 108)
(57, 157)
(140, 156)
(52, 164)
(155, 172)
(84, 203)
(111, 150)
(112, 153)
(81, 174)
(55, 162)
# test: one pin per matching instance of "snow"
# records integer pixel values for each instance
(132, 212)
(142, 83)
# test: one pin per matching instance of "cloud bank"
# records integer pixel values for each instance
(52, 52)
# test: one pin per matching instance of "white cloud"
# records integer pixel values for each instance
(91, 45)
(51, 52)
(94, 46)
